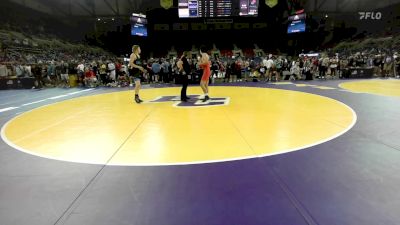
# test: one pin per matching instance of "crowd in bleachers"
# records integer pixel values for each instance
(48, 60)
(53, 62)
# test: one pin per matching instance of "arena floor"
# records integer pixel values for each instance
(318, 152)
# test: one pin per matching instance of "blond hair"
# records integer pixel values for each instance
(135, 48)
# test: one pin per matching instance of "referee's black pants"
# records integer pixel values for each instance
(185, 82)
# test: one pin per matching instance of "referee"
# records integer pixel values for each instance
(184, 71)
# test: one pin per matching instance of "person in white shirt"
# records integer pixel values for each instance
(28, 71)
(124, 69)
(268, 62)
(3, 70)
(333, 66)
(324, 66)
(19, 70)
(111, 69)
(388, 66)
(295, 70)
(81, 72)
(271, 69)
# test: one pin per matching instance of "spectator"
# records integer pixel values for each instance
(156, 68)
(90, 78)
(64, 74)
(111, 71)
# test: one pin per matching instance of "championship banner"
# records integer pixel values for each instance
(180, 26)
(270, 3)
(239, 26)
(161, 27)
(198, 26)
(222, 26)
(260, 25)
(166, 4)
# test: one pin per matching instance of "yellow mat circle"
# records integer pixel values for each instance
(377, 87)
(111, 129)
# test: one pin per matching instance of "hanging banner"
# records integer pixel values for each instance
(270, 3)
(166, 4)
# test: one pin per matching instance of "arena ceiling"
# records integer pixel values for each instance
(96, 8)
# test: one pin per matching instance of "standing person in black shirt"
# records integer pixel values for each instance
(184, 71)
(38, 74)
(64, 74)
(135, 70)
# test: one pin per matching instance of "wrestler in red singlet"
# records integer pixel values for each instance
(205, 65)
(206, 71)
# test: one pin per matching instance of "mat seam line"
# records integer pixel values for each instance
(73, 205)
(241, 135)
(300, 208)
